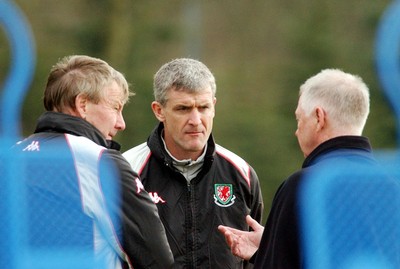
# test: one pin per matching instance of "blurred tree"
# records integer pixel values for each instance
(260, 53)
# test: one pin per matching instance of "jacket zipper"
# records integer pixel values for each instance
(190, 229)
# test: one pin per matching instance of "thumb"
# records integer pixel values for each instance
(253, 223)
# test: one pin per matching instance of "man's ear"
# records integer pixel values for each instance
(320, 115)
(158, 111)
(81, 102)
(214, 102)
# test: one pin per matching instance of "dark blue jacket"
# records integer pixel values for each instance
(280, 245)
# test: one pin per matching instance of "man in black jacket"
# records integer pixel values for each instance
(332, 110)
(196, 184)
(84, 99)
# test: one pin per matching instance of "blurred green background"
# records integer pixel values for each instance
(260, 52)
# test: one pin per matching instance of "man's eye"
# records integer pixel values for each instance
(203, 107)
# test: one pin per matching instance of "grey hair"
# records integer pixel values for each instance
(182, 74)
(344, 97)
(81, 74)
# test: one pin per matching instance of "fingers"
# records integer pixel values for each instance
(232, 237)
(235, 249)
(222, 228)
(240, 242)
(229, 236)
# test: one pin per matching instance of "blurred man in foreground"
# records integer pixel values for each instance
(74, 200)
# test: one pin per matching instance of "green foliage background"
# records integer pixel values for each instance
(260, 52)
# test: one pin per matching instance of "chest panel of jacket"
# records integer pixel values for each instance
(192, 211)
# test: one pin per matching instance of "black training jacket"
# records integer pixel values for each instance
(224, 192)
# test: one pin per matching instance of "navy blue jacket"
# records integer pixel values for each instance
(280, 246)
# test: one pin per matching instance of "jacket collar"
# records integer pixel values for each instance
(341, 142)
(63, 123)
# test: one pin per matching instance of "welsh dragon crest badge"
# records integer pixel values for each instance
(223, 195)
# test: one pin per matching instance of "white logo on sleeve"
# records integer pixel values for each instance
(33, 146)
(139, 185)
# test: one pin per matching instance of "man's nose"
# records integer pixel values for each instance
(195, 117)
(120, 125)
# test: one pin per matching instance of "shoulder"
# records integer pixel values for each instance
(235, 160)
(137, 156)
(230, 156)
(292, 183)
(81, 144)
